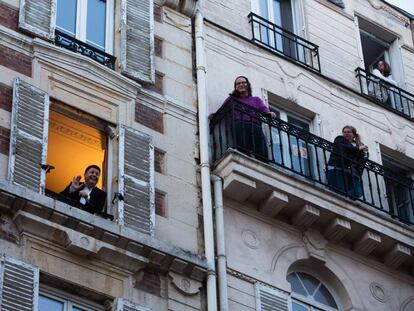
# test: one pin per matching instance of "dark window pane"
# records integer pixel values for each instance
(323, 296)
(296, 285)
(310, 282)
(96, 23)
(66, 16)
(49, 304)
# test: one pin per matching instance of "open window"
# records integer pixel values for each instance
(44, 135)
(75, 140)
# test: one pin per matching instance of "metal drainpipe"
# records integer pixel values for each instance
(205, 165)
(221, 247)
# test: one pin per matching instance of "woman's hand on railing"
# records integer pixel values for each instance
(363, 148)
(271, 114)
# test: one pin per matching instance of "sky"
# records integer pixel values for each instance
(406, 5)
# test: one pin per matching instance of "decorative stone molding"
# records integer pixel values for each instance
(376, 4)
(397, 255)
(378, 292)
(367, 243)
(187, 7)
(315, 244)
(337, 229)
(408, 304)
(184, 285)
(274, 203)
(306, 216)
(250, 239)
(241, 276)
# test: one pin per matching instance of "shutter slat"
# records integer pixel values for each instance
(137, 176)
(269, 299)
(28, 143)
(18, 285)
(37, 17)
(137, 40)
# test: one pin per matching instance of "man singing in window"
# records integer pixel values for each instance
(91, 198)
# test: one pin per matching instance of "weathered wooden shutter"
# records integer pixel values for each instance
(125, 305)
(38, 17)
(19, 285)
(136, 180)
(28, 136)
(137, 40)
(269, 299)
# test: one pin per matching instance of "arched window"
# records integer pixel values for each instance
(309, 294)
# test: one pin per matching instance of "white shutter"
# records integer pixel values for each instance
(136, 180)
(125, 305)
(28, 136)
(137, 40)
(38, 17)
(19, 285)
(271, 299)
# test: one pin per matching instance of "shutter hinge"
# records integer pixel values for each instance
(47, 167)
(117, 195)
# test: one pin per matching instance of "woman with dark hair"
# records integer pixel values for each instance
(345, 165)
(249, 135)
(379, 89)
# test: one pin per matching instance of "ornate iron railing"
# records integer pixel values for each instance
(288, 147)
(385, 94)
(282, 41)
(68, 42)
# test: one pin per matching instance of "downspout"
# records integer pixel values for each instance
(221, 247)
(204, 163)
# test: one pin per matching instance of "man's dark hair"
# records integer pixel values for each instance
(93, 166)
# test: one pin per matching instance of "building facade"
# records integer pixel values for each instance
(137, 87)
(107, 83)
(291, 243)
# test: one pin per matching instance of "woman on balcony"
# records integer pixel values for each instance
(249, 137)
(378, 88)
(345, 165)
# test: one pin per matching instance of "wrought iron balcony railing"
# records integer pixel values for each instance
(385, 94)
(68, 42)
(288, 147)
(282, 41)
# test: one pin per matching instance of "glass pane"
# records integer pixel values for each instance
(323, 296)
(310, 282)
(49, 304)
(66, 16)
(296, 285)
(298, 307)
(96, 23)
(77, 309)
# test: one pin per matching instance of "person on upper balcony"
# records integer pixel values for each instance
(379, 89)
(249, 135)
(346, 163)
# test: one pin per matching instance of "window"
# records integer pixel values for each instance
(289, 150)
(75, 141)
(53, 300)
(309, 294)
(90, 21)
(399, 195)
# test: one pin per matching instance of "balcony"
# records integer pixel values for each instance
(288, 183)
(283, 42)
(385, 94)
(68, 42)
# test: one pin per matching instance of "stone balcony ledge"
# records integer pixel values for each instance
(88, 235)
(278, 193)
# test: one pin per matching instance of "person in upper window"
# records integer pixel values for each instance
(379, 89)
(249, 134)
(90, 198)
(345, 165)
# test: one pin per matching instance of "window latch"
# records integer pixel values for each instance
(117, 195)
(47, 167)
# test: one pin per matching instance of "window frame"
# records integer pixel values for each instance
(81, 23)
(69, 300)
(311, 303)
